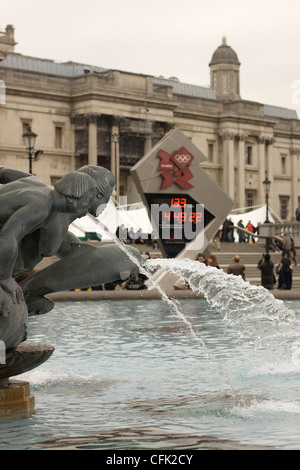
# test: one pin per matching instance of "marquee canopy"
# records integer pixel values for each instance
(134, 216)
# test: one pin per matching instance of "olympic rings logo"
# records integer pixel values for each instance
(182, 158)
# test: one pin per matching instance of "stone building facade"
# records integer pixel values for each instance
(87, 114)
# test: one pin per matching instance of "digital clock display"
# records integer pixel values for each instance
(178, 219)
(183, 215)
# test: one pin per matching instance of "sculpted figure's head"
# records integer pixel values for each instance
(79, 190)
(105, 182)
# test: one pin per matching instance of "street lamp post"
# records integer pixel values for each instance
(267, 184)
(115, 139)
(29, 140)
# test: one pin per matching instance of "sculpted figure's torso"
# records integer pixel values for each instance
(36, 218)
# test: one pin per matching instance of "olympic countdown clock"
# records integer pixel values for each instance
(185, 204)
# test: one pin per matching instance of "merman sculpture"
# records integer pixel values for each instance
(34, 222)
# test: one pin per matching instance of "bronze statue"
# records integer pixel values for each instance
(34, 222)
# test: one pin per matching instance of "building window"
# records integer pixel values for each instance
(284, 203)
(249, 155)
(249, 199)
(25, 125)
(58, 137)
(210, 152)
(283, 165)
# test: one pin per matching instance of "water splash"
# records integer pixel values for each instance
(254, 312)
(257, 317)
(174, 305)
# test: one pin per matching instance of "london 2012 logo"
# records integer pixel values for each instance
(175, 169)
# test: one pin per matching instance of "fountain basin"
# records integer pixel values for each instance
(123, 365)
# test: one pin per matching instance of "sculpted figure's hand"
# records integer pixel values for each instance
(38, 305)
(13, 314)
(10, 293)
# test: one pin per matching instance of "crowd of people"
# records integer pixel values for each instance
(130, 236)
(226, 234)
(236, 268)
(283, 270)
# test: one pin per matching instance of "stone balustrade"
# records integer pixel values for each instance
(277, 230)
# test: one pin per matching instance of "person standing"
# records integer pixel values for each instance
(237, 268)
(285, 272)
(286, 245)
(230, 231)
(241, 234)
(266, 267)
(250, 228)
(225, 229)
(212, 261)
(293, 252)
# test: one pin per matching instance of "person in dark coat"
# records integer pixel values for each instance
(266, 267)
(236, 268)
(285, 274)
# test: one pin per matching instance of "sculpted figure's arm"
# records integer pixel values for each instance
(20, 222)
(7, 175)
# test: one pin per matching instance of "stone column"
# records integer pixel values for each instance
(228, 163)
(241, 171)
(294, 195)
(261, 145)
(269, 149)
(92, 145)
(147, 144)
(73, 147)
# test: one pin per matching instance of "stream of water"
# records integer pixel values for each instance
(252, 310)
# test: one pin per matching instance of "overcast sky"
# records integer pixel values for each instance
(169, 38)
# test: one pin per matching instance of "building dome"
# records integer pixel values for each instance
(224, 55)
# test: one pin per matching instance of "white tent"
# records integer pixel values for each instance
(255, 216)
(111, 218)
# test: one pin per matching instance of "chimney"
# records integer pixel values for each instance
(7, 41)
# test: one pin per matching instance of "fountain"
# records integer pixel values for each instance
(116, 374)
(34, 222)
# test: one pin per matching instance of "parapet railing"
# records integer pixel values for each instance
(277, 229)
(263, 236)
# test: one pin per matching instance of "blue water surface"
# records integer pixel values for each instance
(128, 364)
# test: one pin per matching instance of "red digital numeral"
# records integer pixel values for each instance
(195, 217)
(178, 202)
